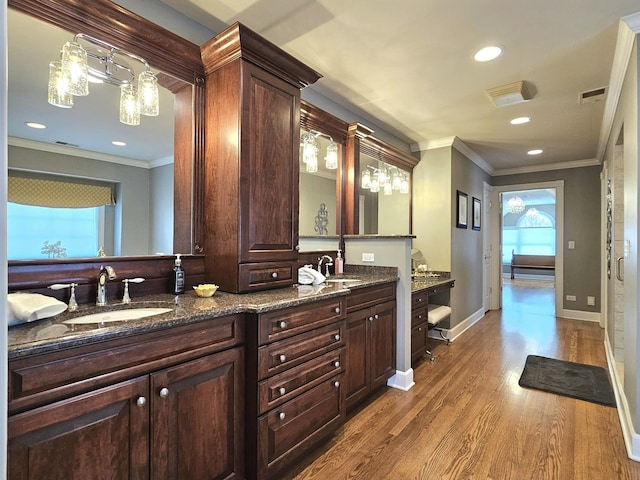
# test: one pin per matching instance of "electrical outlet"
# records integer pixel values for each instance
(572, 245)
(368, 257)
(571, 298)
(591, 301)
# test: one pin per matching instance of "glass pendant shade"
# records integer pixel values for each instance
(397, 181)
(310, 152)
(366, 180)
(331, 160)
(375, 185)
(404, 185)
(148, 94)
(57, 92)
(382, 176)
(129, 108)
(75, 69)
(388, 188)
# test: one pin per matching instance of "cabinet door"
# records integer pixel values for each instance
(356, 384)
(99, 435)
(382, 344)
(269, 173)
(418, 341)
(202, 399)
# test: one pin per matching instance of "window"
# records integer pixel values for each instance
(44, 232)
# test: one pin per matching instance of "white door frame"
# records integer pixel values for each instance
(487, 251)
(496, 223)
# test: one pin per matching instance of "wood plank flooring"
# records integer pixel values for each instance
(467, 417)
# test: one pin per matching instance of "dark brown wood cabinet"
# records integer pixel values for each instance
(295, 365)
(419, 325)
(183, 421)
(251, 171)
(371, 341)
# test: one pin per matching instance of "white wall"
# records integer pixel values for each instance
(393, 213)
(161, 209)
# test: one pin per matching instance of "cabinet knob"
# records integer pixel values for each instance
(419, 300)
(297, 248)
(282, 324)
(337, 336)
(164, 392)
(274, 275)
(336, 364)
(281, 416)
(371, 319)
(337, 309)
(376, 316)
(419, 329)
(282, 391)
(141, 401)
(336, 384)
(420, 317)
(282, 358)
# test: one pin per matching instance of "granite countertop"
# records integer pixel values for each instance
(419, 283)
(53, 334)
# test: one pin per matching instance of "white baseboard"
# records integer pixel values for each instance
(402, 380)
(631, 438)
(579, 315)
(452, 333)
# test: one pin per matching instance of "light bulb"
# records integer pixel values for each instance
(57, 91)
(148, 94)
(129, 107)
(75, 69)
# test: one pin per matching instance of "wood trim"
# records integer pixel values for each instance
(314, 118)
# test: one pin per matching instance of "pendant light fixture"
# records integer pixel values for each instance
(309, 151)
(106, 63)
(331, 160)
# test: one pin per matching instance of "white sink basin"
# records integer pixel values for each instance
(117, 315)
(342, 280)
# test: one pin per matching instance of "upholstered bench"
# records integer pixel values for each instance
(533, 262)
(435, 315)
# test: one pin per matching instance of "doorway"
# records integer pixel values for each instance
(529, 220)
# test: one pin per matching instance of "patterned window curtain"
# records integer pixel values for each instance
(58, 192)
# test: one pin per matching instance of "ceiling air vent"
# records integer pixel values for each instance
(66, 144)
(510, 94)
(593, 96)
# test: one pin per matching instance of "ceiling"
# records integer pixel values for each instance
(407, 67)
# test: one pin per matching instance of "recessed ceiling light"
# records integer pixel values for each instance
(520, 120)
(488, 53)
(118, 143)
(537, 151)
(35, 125)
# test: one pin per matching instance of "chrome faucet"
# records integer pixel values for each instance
(106, 273)
(326, 265)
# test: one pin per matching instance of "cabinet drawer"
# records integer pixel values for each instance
(285, 386)
(440, 288)
(281, 324)
(366, 297)
(279, 356)
(418, 315)
(419, 335)
(419, 299)
(42, 379)
(261, 276)
(289, 431)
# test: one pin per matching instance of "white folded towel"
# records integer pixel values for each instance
(309, 276)
(27, 307)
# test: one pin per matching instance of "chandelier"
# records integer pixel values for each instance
(100, 62)
(387, 178)
(515, 205)
(310, 149)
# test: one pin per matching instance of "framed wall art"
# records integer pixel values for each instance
(462, 209)
(476, 208)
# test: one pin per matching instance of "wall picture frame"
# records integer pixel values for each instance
(476, 215)
(462, 201)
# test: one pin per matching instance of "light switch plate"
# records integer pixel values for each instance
(572, 244)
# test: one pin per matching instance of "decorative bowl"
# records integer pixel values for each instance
(205, 289)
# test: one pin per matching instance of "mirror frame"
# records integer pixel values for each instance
(171, 54)
(360, 139)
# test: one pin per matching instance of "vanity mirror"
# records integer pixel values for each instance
(320, 218)
(150, 215)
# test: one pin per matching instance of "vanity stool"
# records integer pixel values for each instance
(435, 315)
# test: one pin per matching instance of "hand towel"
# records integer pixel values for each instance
(27, 307)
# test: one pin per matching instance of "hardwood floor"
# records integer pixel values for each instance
(467, 417)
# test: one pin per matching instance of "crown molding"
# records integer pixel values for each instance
(75, 152)
(590, 162)
(628, 28)
(458, 145)
(161, 162)
(432, 144)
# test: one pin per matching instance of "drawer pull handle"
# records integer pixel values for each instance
(281, 416)
(337, 336)
(337, 309)
(274, 275)
(164, 392)
(282, 324)
(336, 384)
(141, 401)
(282, 358)
(282, 391)
(336, 364)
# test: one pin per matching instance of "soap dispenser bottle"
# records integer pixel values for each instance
(339, 263)
(177, 277)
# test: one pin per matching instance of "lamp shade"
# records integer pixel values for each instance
(129, 107)
(148, 94)
(57, 91)
(75, 69)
